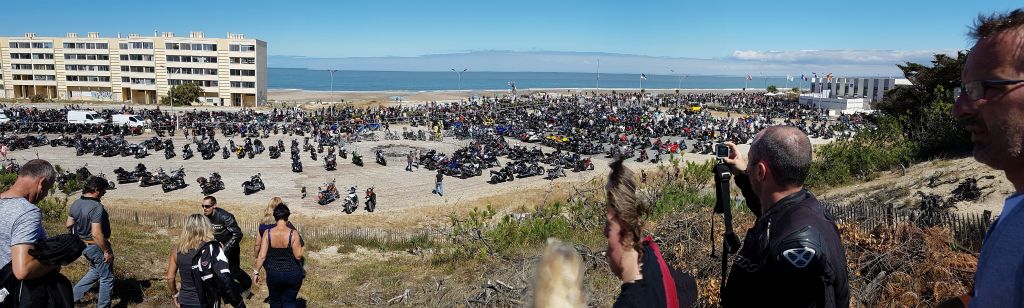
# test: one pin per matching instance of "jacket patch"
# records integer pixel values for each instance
(799, 257)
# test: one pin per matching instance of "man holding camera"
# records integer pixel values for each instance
(792, 256)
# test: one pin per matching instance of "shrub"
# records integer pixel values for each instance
(869, 151)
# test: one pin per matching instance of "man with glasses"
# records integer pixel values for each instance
(227, 232)
(89, 221)
(990, 103)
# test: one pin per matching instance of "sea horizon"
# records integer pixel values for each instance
(304, 79)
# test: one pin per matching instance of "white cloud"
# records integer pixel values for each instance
(840, 56)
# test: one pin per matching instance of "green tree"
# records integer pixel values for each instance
(914, 99)
(773, 89)
(925, 106)
(795, 90)
(182, 95)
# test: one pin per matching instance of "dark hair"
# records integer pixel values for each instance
(630, 208)
(213, 200)
(281, 212)
(996, 23)
(95, 184)
(787, 150)
(38, 168)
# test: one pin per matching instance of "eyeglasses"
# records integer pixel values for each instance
(975, 90)
(206, 206)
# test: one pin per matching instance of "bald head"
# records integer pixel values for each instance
(787, 152)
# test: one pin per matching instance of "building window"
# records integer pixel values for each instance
(237, 72)
(201, 83)
(15, 66)
(238, 60)
(43, 67)
(21, 56)
(19, 44)
(135, 57)
(88, 78)
(191, 59)
(94, 68)
(42, 56)
(138, 69)
(44, 77)
(243, 84)
(85, 45)
(243, 48)
(42, 45)
(78, 56)
(187, 46)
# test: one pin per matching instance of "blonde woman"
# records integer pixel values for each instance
(197, 246)
(559, 280)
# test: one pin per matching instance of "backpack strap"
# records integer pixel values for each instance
(671, 296)
(290, 232)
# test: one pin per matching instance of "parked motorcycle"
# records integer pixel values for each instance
(186, 153)
(296, 165)
(351, 201)
(327, 194)
(253, 185)
(175, 181)
(212, 184)
(380, 158)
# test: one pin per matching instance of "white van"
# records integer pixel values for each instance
(128, 119)
(84, 117)
(4, 118)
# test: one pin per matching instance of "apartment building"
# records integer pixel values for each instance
(232, 71)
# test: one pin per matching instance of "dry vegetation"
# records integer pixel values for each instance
(487, 257)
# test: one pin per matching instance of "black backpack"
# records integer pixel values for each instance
(211, 275)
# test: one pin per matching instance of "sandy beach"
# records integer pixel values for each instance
(362, 98)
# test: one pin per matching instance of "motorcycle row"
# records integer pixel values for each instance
(176, 180)
(329, 193)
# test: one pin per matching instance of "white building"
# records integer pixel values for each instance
(134, 68)
(849, 95)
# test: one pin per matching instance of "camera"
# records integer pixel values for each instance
(722, 150)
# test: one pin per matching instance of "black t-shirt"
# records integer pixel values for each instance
(650, 291)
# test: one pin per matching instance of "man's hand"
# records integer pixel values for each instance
(736, 160)
(108, 257)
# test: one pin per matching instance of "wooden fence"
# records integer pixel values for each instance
(968, 229)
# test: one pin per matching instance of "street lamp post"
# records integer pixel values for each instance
(681, 77)
(332, 79)
(460, 76)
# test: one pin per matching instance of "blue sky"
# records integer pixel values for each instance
(778, 32)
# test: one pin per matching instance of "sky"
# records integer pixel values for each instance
(696, 37)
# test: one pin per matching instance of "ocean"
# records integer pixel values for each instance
(320, 80)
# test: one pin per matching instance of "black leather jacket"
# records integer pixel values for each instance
(225, 229)
(791, 257)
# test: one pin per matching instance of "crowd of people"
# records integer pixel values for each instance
(791, 257)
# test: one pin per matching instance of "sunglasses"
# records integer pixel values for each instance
(206, 206)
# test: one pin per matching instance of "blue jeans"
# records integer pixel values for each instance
(98, 271)
(283, 287)
(439, 189)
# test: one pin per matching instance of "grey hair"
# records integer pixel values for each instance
(38, 168)
(787, 150)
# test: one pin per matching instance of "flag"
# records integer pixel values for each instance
(803, 77)
(749, 78)
(643, 77)
(789, 77)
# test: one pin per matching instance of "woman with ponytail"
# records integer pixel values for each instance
(647, 280)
